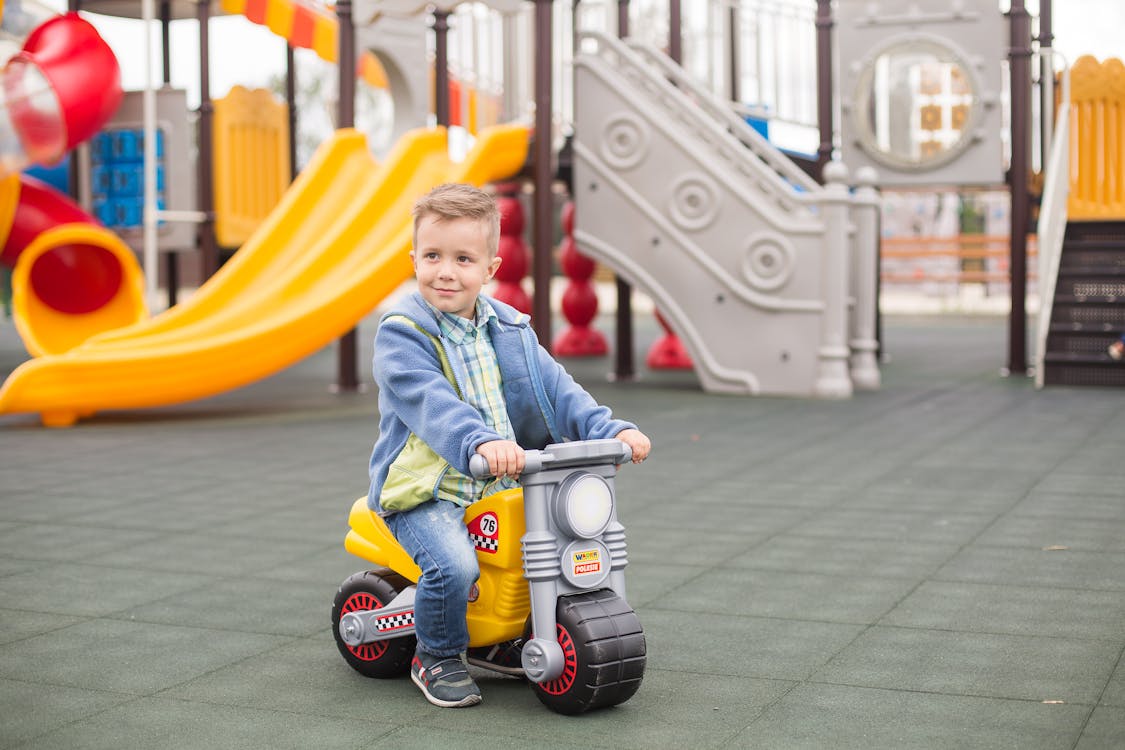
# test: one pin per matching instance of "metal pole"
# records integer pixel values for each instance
(171, 258)
(1046, 83)
(824, 117)
(1019, 55)
(347, 374)
(208, 249)
(735, 32)
(166, 39)
(291, 103)
(441, 67)
(675, 32)
(148, 116)
(624, 367)
(541, 209)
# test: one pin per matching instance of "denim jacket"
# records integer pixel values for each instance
(425, 429)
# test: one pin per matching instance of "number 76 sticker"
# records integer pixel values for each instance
(484, 530)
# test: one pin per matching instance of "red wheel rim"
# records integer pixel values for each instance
(358, 603)
(565, 681)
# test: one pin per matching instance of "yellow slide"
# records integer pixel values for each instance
(337, 245)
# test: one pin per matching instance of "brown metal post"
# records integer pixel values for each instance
(542, 207)
(675, 32)
(735, 37)
(73, 6)
(171, 258)
(347, 376)
(441, 67)
(1046, 70)
(624, 367)
(291, 103)
(165, 40)
(208, 247)
(1019, 55)
(824, 84)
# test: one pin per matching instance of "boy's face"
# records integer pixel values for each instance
(452, 263)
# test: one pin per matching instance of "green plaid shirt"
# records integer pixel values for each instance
(470, 342)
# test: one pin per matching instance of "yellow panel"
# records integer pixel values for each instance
(1097, 140)
(9, 199)
(250, 133)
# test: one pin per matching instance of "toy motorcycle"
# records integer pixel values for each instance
(585, 647)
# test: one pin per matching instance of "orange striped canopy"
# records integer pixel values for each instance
(308, 25)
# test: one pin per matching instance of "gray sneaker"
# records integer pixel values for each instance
(444, 681)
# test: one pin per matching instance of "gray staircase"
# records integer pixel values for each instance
(1089, 307)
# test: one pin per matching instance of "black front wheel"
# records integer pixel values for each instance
(372, 590)
(604, 647)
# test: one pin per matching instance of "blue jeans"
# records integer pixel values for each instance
(435, 536)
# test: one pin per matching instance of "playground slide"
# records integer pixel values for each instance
(729, 238)
(302, 283)
(71, 278)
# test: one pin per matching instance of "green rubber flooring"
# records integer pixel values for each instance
(938, 564)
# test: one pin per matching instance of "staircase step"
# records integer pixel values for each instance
(1085, 288)
(1112, 232)
(1094, 316)
(1095, 267)
(1107, 244)
(1088, 370)
(1076, 255)
(1088, 328)
(1084, 343)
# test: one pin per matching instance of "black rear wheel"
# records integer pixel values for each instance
(604, 647)
(372, 590)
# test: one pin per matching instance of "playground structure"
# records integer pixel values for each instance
(337, 244)
(1082, 231)
(725, 233)
(678, 193)
(71, 278)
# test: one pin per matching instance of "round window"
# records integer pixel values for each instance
(916, 104)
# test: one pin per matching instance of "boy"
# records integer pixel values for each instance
(460, 373)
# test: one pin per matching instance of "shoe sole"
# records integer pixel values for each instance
(468, 700)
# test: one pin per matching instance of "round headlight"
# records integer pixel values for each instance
(583, 505)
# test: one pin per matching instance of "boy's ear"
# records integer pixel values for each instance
(493, 266)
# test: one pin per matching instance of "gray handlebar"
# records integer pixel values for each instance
(532, 463)
(576, 453)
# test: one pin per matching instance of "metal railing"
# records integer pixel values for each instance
(1052, 222)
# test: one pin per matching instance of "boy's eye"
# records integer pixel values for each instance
(464, 259)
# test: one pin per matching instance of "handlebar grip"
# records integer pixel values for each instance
(533, 462)
(626, 454)
(478, 466)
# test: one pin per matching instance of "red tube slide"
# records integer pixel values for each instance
(72, 278)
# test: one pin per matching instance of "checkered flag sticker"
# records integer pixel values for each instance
(395, 622)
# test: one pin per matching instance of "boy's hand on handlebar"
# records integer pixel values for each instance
(505, 458)
(638, 441)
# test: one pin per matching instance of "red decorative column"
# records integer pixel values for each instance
(513, 250)
(668, 352)
(579, 301)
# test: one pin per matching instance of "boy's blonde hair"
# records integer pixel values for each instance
(455, 200)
